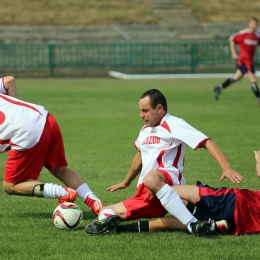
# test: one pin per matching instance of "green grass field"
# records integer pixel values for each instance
(99, 119)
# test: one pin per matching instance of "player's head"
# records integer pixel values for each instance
(153, 107)
(253, 24)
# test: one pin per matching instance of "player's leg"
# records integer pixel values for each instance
(108, 218)
(237, 76)
(55, 162)
(156, 182)
(188, 192)
(22, 171)
(254, 86)
(166, 223)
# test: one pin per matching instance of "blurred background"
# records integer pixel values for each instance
(54, 38)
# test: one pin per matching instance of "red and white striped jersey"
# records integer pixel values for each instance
(163, 146)
(21, 123)
(247, 43)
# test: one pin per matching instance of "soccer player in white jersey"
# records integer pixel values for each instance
(159, 160)
(32, 138)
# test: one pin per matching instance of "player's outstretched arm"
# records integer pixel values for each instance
(134, 170)
(218, 155)
(257, 158)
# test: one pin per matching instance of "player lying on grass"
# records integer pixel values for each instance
(239, 207)
(32, 138)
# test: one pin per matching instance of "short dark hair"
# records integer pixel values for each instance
(156, 98)
(253, 18)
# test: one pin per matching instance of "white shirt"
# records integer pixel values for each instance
(163, 146)
(21, 123)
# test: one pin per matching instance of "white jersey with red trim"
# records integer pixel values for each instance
(163, 146)
(2, 87)
(21, 123)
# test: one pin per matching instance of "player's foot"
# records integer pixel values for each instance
(222, 227)
(102, 226)
(94, 204)
(70, 197)
(202, 228)
(217, 91)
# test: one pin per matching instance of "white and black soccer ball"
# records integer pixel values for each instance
(67, 216)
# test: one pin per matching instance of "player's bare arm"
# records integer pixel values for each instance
(257, 158)
(134, 170)
(218, 155)
(233, 50)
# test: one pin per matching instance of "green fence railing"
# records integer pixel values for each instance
(189, 56)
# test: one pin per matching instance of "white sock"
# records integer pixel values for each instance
(84, 191)
(52, 190)
(174, 205)
(106, 213)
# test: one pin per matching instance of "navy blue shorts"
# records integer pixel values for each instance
(244, 69)
(216, 203)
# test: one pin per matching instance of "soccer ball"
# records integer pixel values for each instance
(67, 216)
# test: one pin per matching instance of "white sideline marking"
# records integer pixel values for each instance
(120, 75)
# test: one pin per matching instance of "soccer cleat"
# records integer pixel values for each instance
(217, 91)
(222, 227)
(102, 226)
(94, 205)
(70, 197)
(202, 228)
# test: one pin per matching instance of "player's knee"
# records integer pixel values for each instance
(151, 179)
(148, 180)
(8, 188)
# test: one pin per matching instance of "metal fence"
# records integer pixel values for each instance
(190, 57)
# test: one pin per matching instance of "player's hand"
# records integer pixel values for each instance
(235, 56)
(120, 185)
(234, 176)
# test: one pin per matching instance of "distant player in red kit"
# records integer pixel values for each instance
(247, 41)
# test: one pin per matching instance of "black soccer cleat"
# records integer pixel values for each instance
(217, 91)
(203, 228)
(102, 226)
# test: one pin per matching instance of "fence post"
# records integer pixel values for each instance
(51, 59)
(192, 57)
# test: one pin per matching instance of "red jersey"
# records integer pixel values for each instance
(247, 211)
(247, 43)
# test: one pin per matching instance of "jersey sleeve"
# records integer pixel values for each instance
(188, 134)
(2, 87)
(236, 38)
(137, 144)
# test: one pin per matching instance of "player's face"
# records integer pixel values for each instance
(253, 26)
(151, 117)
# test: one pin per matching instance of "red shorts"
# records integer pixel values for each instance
(143, 204)
(245, 66)
(48, 152)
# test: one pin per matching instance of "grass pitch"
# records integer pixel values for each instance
(99, 119)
